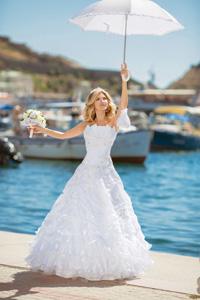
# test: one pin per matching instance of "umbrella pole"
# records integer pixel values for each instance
(126, 18)
(129, 73)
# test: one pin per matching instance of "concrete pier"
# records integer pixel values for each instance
(171, 277)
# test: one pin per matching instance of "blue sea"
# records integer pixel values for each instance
(165, 194)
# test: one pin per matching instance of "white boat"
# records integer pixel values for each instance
(131, 146)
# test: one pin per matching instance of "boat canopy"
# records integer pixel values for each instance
(6, 107)
(177, 109)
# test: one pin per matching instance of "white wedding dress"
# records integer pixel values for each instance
(92, 231)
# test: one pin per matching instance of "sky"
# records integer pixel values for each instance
(42, 25)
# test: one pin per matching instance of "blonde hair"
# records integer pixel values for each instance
(89, 113)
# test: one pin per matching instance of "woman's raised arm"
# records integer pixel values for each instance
(124, 95)
(77, 130)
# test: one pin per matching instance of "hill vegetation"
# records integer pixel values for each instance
(54, 73)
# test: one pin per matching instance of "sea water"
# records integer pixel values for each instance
(165, 195)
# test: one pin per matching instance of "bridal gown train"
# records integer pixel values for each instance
(92, 230)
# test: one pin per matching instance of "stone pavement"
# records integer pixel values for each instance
(171, 277)
(18, 283)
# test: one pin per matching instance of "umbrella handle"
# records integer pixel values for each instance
(128, 76)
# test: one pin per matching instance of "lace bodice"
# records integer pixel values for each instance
(99, 140)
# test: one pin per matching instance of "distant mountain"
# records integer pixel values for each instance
(54, 73)
(191, 80)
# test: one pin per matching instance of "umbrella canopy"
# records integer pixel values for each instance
(143, 16)
(126, 17)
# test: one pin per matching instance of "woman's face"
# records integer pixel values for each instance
(101, 102)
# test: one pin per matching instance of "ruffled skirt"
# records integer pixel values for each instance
(91, 231)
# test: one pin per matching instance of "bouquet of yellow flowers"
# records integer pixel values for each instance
(33, 117)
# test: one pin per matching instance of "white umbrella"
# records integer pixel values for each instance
(126, 17)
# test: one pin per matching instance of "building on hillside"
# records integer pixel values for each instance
(16, 83)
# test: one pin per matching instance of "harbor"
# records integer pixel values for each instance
(112, 202)
(158, 160)
(166, 127)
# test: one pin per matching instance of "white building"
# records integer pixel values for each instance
(16, 83)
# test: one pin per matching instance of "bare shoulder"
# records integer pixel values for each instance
(83, 124)
(88, 123)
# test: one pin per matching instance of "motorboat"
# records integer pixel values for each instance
(168, 137)
(173, 129)
(131, 146)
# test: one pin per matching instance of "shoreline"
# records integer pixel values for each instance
(170, 273)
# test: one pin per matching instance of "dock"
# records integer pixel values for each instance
(171, 277)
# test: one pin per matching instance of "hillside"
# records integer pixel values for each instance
(54, 73)
(191, 80)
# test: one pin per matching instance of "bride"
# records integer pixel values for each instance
(92, 231)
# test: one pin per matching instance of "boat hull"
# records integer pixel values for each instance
(166, 140)
(129, 147)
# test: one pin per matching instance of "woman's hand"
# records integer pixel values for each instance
(124, 70)
(36, 129)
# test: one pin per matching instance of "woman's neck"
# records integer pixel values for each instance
(100, 118)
